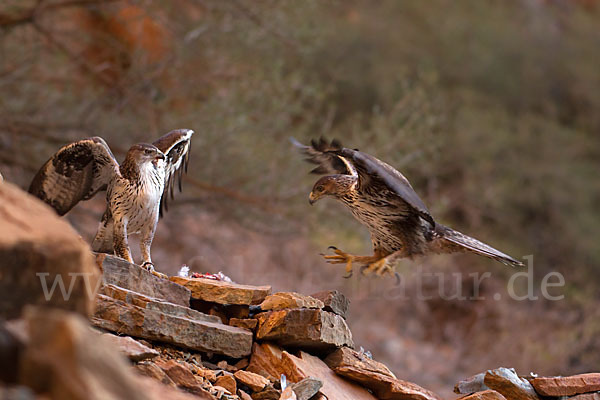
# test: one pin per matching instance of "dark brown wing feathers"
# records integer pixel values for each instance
(324, 154)
(176, 147)
(76, 172)
(372, 172)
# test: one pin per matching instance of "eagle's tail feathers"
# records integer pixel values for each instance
(471, 244)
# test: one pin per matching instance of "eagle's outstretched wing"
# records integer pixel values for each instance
(325, 155)
(76, 172)
(373, 174)
(176, 147)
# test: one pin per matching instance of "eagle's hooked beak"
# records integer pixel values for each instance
(312, 198)
(160, 156)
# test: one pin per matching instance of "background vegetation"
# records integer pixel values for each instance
(488, 107)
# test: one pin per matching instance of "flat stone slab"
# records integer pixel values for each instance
(567, 385)
(376, 376)
(306, 328)
(119, 272)
(586, 396)
(484, 395)
(334, 387)
(471, 385)
(148, 303)
(223, 292)
(286, 300)
(118, 316)
(334, 301)
(131, 348)
(266, 360)
(509, 384)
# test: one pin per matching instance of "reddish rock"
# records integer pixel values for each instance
(66, 360)
(250, 323)
(223, 292)
(307, 388)
(586, 396)
(346, 361)
(117, 316)
(334, 387)
(484, 395)
(471, 385)
(269, 393)
(509, 384)
(227, 382)
(157, 391)
(243, 395)
(39, 251)
(307, 328)
(123, 274)
(151, 370)
(180, 375)
(149, 303)
(242, 364)
(253, 381)
(376, 376)
(266, 360)
(567, 385)
(131, 348)
(286, 300)
(334, 301)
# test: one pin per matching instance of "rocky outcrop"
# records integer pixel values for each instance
(307, 328)
(334, 387)
(506, 382)
(200, 335)
(223, 292)
(503, 383)
(42, 260)
(65, 360)
(284, 300)
(369, 373)
(567, 385)
(120, 273)
(484, 395)
(131, 348)
(334, 301)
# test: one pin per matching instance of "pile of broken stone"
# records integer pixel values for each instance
(232, 341)
(124, 333)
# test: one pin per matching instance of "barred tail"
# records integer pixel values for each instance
(471, 244)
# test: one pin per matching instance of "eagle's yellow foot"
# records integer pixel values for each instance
(380, 267)
(341, 257)
(150, 268)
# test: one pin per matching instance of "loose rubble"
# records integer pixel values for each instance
(142, 337)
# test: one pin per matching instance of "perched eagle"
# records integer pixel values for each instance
(136, 191)
(383, 200)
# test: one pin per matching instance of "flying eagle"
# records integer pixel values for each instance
(136, 191)
(383, 200)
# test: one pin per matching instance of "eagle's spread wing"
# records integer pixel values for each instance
(76, 172)
(373, 172)
(333, 158)
(325, 155)
(176, 147)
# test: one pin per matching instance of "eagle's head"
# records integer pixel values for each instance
(145, 153)
(332, 185)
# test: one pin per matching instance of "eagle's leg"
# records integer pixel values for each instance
(120, 242)
(384, 264)
(341, 257)
(145, 244)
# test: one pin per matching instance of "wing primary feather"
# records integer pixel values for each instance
(176, 147)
